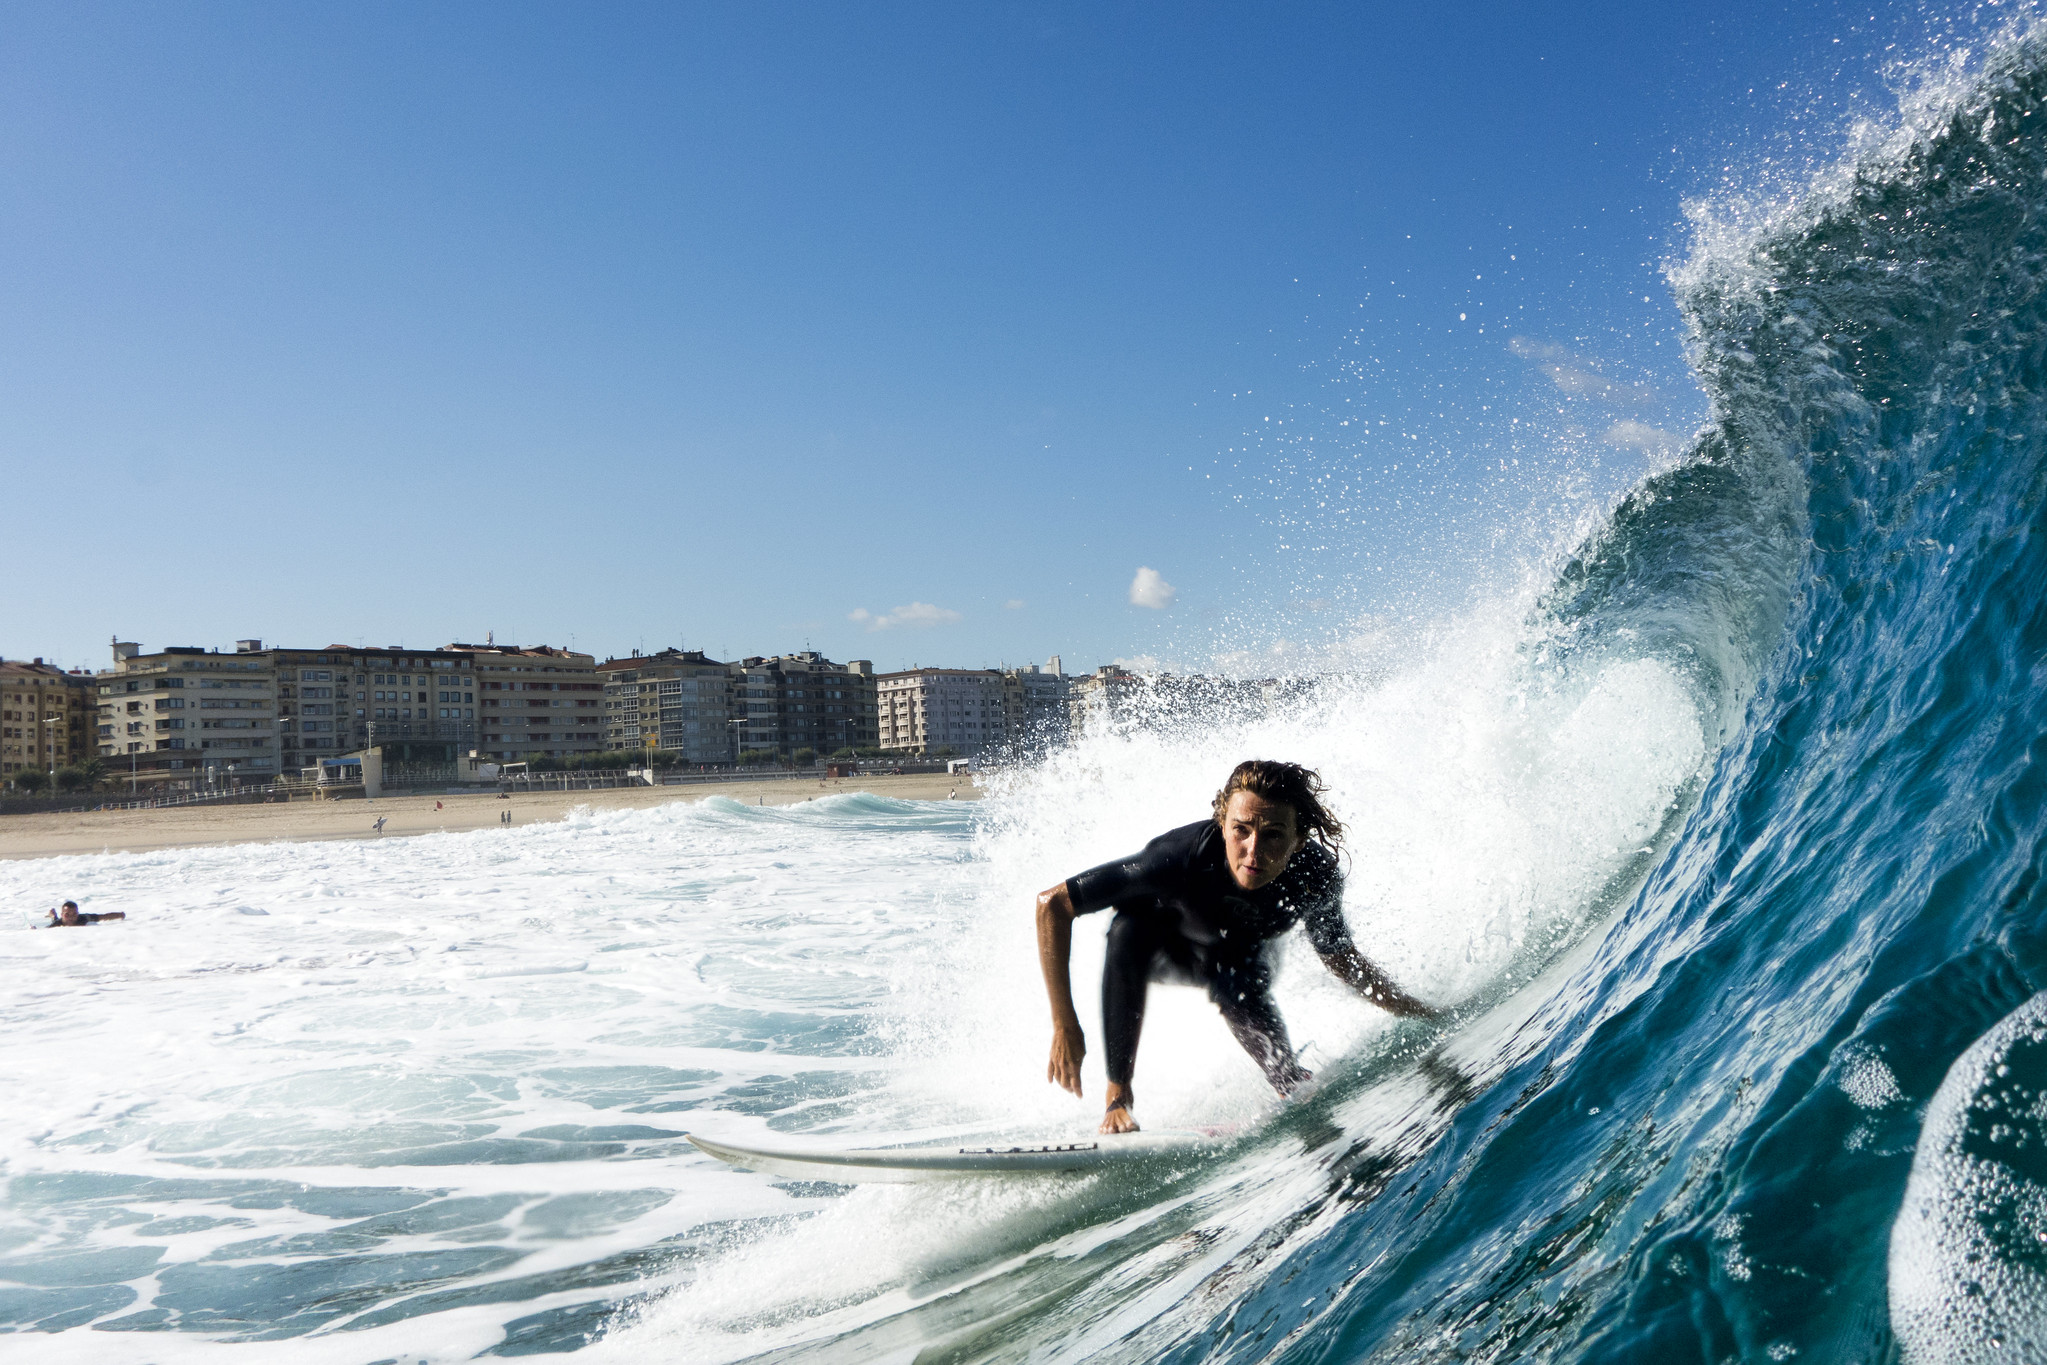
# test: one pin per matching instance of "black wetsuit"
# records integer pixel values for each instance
(1181, 917)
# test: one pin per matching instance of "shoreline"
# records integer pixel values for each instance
(64, 834)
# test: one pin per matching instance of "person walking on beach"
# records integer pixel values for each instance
(1198, 906)
(70, 917)
(379, 826)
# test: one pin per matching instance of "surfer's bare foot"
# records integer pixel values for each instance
(1116, 1118)
(1117, 1121)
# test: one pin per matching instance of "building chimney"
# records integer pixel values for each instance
(125, 650)
(248, 646)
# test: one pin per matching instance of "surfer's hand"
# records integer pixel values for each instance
(1068, 1047)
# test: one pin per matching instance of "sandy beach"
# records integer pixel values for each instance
(135, 831)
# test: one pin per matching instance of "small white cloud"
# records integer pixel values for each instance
(1632, 435)
(915, 614)
(1014, 604)
(1577, 376)
(1150, 590)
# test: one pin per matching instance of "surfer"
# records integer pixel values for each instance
(1197, 907)
(70, 917)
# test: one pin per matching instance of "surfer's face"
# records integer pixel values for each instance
(1259, 837)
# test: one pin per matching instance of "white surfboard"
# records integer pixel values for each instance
(904, 1165)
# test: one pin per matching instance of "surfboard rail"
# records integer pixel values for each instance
(905, 1165)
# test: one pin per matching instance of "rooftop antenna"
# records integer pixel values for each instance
(490, 639)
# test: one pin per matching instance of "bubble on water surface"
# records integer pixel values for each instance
(1968, 1263)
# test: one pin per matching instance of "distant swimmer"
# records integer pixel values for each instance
(1198, 907)
(70, 917)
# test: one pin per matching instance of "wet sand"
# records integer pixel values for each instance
(135, 831)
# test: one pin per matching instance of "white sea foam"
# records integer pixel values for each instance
(1968, 1259)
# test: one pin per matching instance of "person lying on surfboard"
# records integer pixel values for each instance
(1197, 907)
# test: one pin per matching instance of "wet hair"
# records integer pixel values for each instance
(1289, 784)
(69, 905)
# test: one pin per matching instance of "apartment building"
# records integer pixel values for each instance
(48, 717)
(188, 714)
(803, 701)
(1105, 696)
(417, 706)
(1036, 703)
(678, 701)
(536, 701)
(1115, 698)
(925, 710)
(825, 706)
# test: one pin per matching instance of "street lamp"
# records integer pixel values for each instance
(735, 727)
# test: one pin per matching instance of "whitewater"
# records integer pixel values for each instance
(1722, 843)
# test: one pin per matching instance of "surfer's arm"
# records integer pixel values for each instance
(1362, 975)
(1055, 952)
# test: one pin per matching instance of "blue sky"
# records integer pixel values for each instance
(909, 333)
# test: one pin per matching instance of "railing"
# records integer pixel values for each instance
(602, 778)
(235, 796)
(597, 780)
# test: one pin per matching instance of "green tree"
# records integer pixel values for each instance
(94, 771)
(844, 755)
(69, 779)
(803, 758)
(31, 780)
